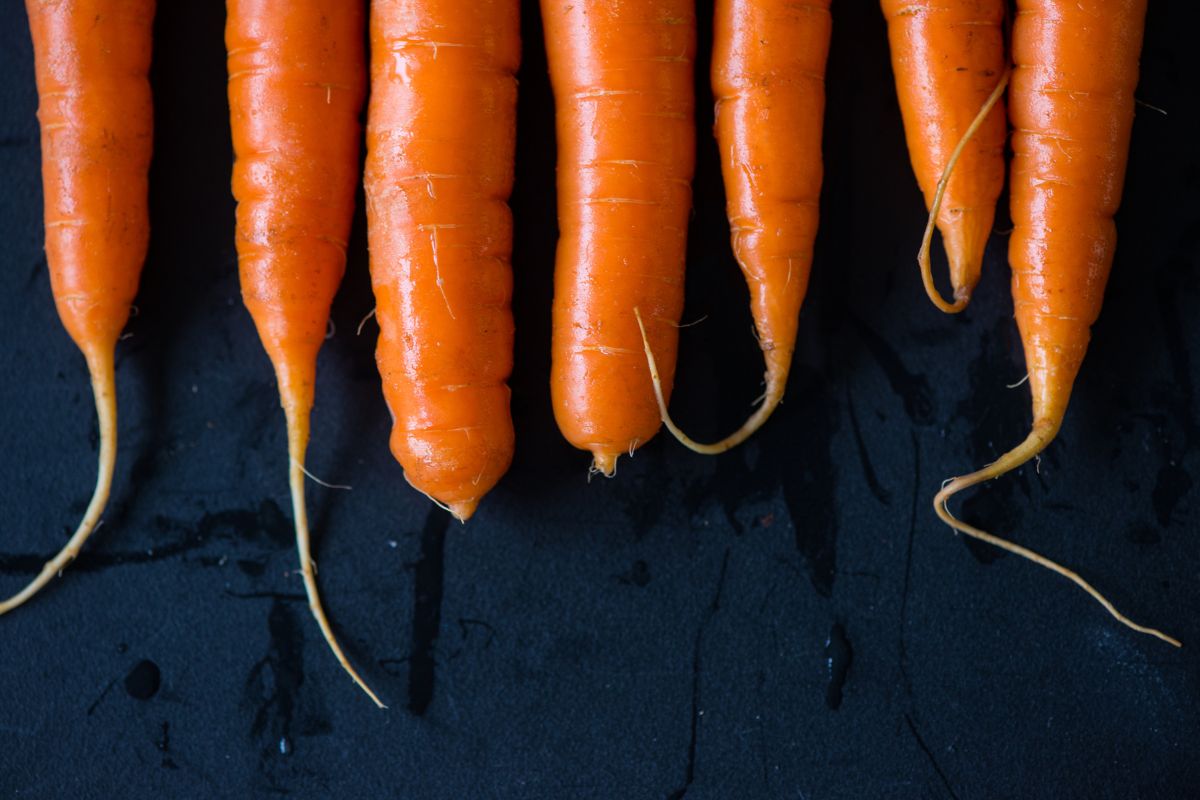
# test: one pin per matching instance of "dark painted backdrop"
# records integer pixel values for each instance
(659, 635)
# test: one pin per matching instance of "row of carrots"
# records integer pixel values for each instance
(440, 134)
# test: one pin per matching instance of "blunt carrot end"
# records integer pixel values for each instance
(624, 205)
(463, 510)
(297, 444)
(604, 463)
(441, 144)
(1042, 434)
(100, 364)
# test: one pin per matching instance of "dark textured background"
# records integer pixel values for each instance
(661, 634)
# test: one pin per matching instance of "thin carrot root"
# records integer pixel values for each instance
(1039, 437)
(770, 401)
(297, 443)
(962, 294)
(105, 391)
(603, 464)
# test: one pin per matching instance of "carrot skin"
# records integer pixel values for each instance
(1071, 105)
(297, 82)
(947, 58)
(768, 77)
(92, 62)
(441, 137)
(623, 82)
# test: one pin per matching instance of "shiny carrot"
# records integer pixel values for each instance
(768, 76)
(623, 81)
(949, 61)
(1071, 105)
(297, 79)
(441, 136)
(92, 59)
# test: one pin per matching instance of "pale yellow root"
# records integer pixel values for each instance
(771, 400)
(297, 444)
(960, 300)
(1039, 437)
(604, 464)
(105, 391)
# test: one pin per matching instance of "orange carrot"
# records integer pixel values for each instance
(623, 91)
(92, 59)
(949, 62)
(297, 79)
(441, 136)
(1071, 105)
(768, 75)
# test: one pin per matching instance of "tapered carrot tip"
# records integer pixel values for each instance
(604, 463)
(464, 509)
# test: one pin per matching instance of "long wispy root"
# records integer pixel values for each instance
(1039, 437)
(105, 391)
(297, 444)
(771, 399)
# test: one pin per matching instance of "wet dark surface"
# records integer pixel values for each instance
(788, 620)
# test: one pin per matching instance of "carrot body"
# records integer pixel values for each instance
(1072, 112)
(947, 58)
(297, 80)
(1071, 105)
(769, 81)
(623, 84)
(441, 136)
(92, 59)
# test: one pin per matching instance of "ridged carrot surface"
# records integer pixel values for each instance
(1071, 105)
(441, 137)
(623, 81)
(948, 56)
(768, 77)
(297, 79)
(92, 59)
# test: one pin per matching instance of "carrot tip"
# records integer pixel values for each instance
(464, 509)
(605, 463)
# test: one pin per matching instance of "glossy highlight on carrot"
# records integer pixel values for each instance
(441, 138)
(768, 76)
(297, 80)
(1071, 105)
(949, 60)
(92, 59)
(623, 82)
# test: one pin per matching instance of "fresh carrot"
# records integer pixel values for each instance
(92, 59)
(1071, 105)
(297, 80)
(623, 84)
(949, 61)
(441, 137)
(768, 76)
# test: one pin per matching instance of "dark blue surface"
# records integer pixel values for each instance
(659, 635)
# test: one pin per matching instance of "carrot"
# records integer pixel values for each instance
(1071, 104)
(441, 136)
(768, 76)
(623, 92)
(92, 59)
(297, 79)
(949, 62)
